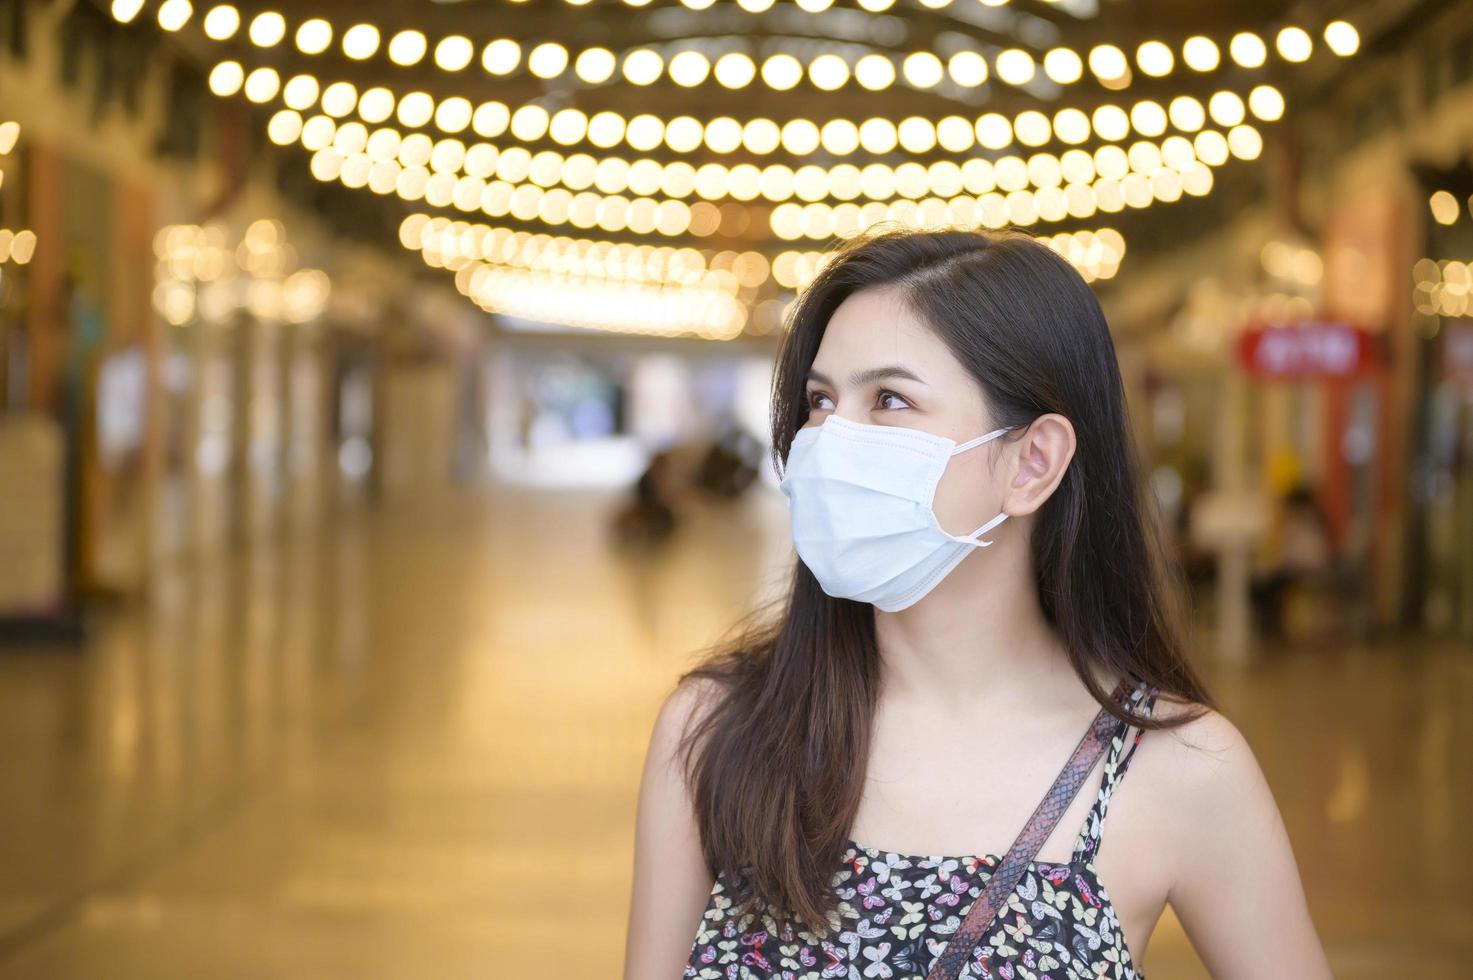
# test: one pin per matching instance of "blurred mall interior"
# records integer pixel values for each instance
(383, 427)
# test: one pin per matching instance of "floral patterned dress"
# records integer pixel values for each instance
(896, 911)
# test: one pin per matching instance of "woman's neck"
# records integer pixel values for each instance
(978, 641)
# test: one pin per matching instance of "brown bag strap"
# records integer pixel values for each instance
(1066, 786)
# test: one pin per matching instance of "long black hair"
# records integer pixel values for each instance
(777, 765)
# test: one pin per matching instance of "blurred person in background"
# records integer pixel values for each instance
(1303, 557)
(834, 791)
(721, 468)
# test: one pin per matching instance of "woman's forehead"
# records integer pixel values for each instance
(871, 327)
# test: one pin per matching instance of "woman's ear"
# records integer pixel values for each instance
(1043, 454)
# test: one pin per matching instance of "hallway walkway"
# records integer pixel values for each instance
(409, 748)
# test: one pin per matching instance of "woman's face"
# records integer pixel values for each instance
(879, 364)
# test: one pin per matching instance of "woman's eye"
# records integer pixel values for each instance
(890, 394)
(814, 398)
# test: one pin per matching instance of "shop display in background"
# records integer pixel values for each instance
(32, 581)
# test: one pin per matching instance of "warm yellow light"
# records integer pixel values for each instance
(416, 109)
(360, 41)
(781, 72)
(1226, 108)
(9, 133)
(1444, 207)
(491, 119)
(453, 53)
(1248, 50)
(967, 68)
(1342, 38)
(284, 127)
(23, 246)
(643, 66)
(1063, 66)
(875, 72)
(407, 48)
(595, 65)
(300, 92)
(828, 72)
(1032, 128)
(376, 105)
(318, 132)
(501, 56)
(1265, 102)
(314, 36)
(604, 129)
(1148, 118)
(174, 14)
(222, 22)
(735, 70)
(453, 115)
(1245, 142)
(339, 98)
(1071, 126)
(1294, 44)
(226, 78)
(267, 29)
(262, 85)
(1110, 123)
(1107, 62)
(994, 131)
(922, 69)
(125, 10)
(1015, 66)
(1186, 113)
(1155, 59)
(1200, 53)
(689, 68)
(547, 60)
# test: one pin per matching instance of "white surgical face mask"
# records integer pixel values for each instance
(861, 499)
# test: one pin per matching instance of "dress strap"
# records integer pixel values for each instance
(1142, 700)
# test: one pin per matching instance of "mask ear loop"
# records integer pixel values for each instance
(975, 536)
(981, 439)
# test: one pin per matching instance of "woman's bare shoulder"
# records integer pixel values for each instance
(1203, 774)
(691, 700)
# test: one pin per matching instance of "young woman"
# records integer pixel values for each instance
(978, 613)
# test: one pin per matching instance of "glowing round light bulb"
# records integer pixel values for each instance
(1294, 44)
(226, 78)
(1248, 50)
(407, 48)
(1155, 59)
(1342, 38)
(1200, 53)
(453, 53)
(360, 41)
(1015, 66)
(1063, 66)
(222, 22)
(314, 36)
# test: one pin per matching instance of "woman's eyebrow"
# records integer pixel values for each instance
(869, 375)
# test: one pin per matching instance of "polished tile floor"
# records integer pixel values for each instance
(408, 746)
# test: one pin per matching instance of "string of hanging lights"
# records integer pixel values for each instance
(392, 162)
(17, 246)
(1148, 176)
(760, 136)
(1065, 163)
(780, 71)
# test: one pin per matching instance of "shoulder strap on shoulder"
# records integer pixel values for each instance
(1117, 760)
(1007, 874)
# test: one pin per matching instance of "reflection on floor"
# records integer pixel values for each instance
(409, 747)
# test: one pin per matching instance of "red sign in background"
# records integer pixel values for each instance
(1308, 349)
